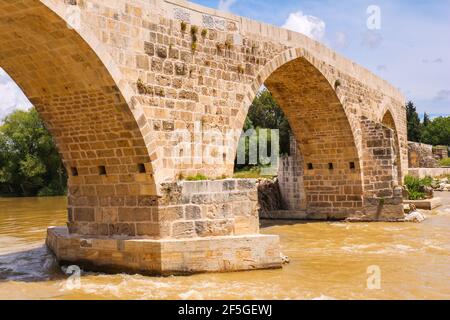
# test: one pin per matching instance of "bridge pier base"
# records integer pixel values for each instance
(192, 227)
(165, 256)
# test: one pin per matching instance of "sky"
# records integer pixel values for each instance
(405, 42)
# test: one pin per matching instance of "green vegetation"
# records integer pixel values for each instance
(198, 177)
(183, 26)
(437, 132)
(414, 125)
(264, 113)
(415, 187)
(434, 132)
(250, 172)
(29, 162)
(445, 162)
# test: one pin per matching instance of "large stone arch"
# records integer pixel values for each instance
(323, 129)
(80, 95)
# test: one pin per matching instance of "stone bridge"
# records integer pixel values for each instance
(116, 81)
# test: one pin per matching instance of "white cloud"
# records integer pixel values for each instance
(310, 26)
(224, 5)
(11, 97)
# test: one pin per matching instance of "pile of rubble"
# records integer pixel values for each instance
(442, 184)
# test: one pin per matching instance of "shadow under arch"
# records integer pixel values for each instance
(332, 163)
(388, 121)
(85, 106)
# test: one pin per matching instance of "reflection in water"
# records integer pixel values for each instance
(328, 260)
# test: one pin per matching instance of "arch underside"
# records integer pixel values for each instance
(331, 165)
(388, 121)
(85, 112)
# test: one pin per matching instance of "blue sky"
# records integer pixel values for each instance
(411, 49)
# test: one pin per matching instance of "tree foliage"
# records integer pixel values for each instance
(414, 124)
(29, 162)
(264, 113)
(437, 132)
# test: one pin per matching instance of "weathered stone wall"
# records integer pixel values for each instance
(383, 197)
(421, 156)
(290, 179)
(209, 209)
(429, 172)
(269, 197)
(440, 152)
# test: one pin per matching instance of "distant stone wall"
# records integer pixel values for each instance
(429, 172)
(290, 179)
(440, 152)
(421, 156)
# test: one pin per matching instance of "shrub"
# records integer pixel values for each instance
(414, 195)
(415, 187)
(183, 26)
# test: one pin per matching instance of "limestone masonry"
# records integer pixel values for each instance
(116, 86)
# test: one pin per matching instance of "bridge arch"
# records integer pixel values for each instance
(323, 129)
(80, 95)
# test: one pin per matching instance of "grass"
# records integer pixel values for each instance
(445, 162)
(250, 173)
(198, 177)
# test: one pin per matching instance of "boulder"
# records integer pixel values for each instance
(415, 216)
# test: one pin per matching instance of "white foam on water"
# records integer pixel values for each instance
(191, 295)
(375, 249)
(324, 297)
(357, 247)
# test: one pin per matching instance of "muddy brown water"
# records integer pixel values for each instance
(328, 260)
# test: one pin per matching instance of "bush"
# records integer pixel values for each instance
(415, 187)
(445, 162)
(414, 195)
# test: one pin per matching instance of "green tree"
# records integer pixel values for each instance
(264, 113)
(437, 132)
(29, 162)
(414, 125)
(426, 120)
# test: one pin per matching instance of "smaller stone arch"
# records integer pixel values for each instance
(332, 168)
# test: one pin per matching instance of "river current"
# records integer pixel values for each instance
(328, 260)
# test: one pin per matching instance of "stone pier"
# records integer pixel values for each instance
(202, 226)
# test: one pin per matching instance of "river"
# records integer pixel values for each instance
(327, 261)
